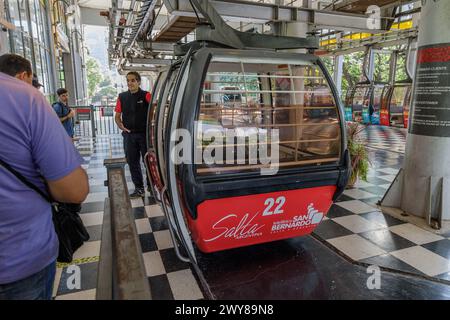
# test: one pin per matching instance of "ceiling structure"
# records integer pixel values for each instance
(142, 32)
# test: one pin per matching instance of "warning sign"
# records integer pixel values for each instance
(431, 102)
(83, 114)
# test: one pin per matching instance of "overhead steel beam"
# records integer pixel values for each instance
(139, 68)
(156, 46)
(264, 12)
(162, 47)
(91, 17)
(150, 61)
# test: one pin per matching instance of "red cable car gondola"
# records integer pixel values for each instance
(395, 106)
(228, 204)
(396, 100)
(245, 146)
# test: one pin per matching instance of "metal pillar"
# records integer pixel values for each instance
(93, 122)
(422, 187)
(337, 75)
(371, 66)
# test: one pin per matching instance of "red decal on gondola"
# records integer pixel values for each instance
(384, 118)
(405, 119)
(245, 220)
(154, 174)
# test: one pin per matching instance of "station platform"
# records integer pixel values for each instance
(329, 264)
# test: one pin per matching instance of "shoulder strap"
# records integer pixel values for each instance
(61, 107)
(25, 181)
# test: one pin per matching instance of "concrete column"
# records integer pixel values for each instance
(423, 186)
(69, 77)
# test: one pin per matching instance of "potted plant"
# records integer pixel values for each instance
(359, 156)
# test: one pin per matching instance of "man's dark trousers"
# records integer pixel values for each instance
(135, 146)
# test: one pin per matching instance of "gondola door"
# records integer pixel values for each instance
(406, 105)
(384, 112)
(150, 157)
(348, 104)
(176, 217)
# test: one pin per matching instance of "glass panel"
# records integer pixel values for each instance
(400, 71)
(61, 74)
(382, 67)
(361, 99)
(41, 18)
(18, 42)
(163, 117)
(244, 104)
(24, 16)
(34, 21)
(45, 71)
(154, 106)
(14, 14)
(378, 91)
(374, 114)
(28, 48)
(167, 98)
(37, 61)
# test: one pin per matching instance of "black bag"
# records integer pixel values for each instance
(68, 224)
(70, 230)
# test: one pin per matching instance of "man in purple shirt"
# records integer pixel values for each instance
(34, 143)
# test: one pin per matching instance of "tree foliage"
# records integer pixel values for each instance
(352, 70)
(94, 75)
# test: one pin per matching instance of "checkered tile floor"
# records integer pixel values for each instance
(354, 226)
(386, 138)
(358, 229)
(168, 277)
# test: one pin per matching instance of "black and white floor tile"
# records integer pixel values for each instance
(354, 226)
(168, 277)
(66, 287)
(360, 231)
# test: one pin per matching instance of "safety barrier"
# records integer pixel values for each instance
(121, 271)
(92, 121)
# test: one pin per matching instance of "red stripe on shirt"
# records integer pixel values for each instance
(118, 106)
(148, 97)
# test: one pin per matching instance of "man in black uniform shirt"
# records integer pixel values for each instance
(131, 117)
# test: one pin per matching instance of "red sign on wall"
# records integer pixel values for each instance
(83, 114)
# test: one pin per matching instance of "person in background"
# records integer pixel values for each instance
(64, 113)
(16, 66)
(35, 82)
(131, 117)
(32, 142)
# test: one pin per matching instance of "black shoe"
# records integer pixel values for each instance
(138, 193)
